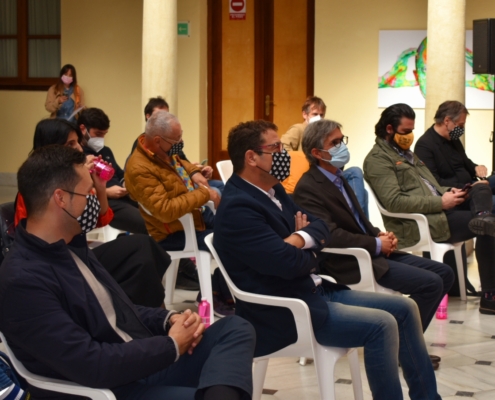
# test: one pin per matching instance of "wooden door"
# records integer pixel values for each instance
(258, 68)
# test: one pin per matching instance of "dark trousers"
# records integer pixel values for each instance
(480, 199)
(223, 357)
(138, 264)
(426, 282)
(177, 240)
(126, 216)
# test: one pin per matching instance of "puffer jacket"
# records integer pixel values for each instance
(399, 188)
(162, 195)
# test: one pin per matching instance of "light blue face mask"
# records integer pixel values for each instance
(340, 155)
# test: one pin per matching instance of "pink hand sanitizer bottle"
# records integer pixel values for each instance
(204, 312)
(105, 171)
(442, 308)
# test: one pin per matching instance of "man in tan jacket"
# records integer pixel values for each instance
(167, 187)
(312, 107)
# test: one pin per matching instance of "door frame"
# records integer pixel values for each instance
(263, 66)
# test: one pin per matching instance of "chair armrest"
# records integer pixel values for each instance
(187, 222)
(367, 282)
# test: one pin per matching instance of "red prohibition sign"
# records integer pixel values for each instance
(237, 5)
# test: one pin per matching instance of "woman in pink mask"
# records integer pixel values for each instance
(66, 96)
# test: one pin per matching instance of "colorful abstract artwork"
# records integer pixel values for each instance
(402, 71)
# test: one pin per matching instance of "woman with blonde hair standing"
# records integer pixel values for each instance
(65, 96)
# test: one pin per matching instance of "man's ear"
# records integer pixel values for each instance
(59, 197)
(250, 158)
(315, 153)
(390, 129)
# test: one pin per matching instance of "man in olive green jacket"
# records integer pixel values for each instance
(403, 183)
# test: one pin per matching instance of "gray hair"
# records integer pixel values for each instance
(315, 135)
(452, 109)
(160, 124)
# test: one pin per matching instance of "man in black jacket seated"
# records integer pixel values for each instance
(443, 153)
(94, 124)
(65, 317)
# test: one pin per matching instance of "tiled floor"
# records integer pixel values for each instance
(466, 343)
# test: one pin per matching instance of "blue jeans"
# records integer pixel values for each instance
(217, 185)
(389, 328)
(426, 282)
(223, 357)
(354, 177)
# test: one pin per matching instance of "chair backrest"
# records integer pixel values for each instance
(305, 336)
(425, 241)
(55, 385)
(225, 169)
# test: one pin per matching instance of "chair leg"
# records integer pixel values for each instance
(325, 360)
(302, 361)
(203, 264)
(259, 373)
(357, 384)
(170, 279)
(460, 271)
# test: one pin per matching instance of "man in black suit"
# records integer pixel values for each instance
(270, 246)
(323, 192)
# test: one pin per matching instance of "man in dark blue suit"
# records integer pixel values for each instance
(270, 246)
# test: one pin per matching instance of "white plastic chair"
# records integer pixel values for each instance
(426, 243)
(55, 385)
(367, 282)
(203, 261)
(325, 357)
(102, 235)
(225, 169)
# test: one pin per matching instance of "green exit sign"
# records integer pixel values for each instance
(183, 28)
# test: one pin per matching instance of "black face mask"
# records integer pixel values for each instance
(89, 218)
(280, 165)
(456, 133)
(176, 148)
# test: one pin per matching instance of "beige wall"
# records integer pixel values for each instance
(102, 38)
(346, 67)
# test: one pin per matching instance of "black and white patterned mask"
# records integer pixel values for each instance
(89, 217)
(176, 148)
(456, 133)
(280, 165)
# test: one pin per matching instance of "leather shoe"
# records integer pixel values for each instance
(435, 359)
(435, 365)
(185, 283)
(487, 303)
(483, 225)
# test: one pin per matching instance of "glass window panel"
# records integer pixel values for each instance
(44, 17)
(8, 17)
(8, 58)
(44, 58)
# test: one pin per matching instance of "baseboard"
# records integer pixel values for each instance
(8, 179)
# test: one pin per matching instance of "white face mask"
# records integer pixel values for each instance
(314, 119)
(96, 143)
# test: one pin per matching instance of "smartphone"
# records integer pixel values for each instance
(467, 187)
(204, 162)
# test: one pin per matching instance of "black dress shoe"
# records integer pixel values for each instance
(487, 304)
(435, 365)
(434, 358)
(185, 283)
(483, 225)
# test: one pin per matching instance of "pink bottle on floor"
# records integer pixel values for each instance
(204, 312)
(442, 308)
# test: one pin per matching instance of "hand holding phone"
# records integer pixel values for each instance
(467, 187)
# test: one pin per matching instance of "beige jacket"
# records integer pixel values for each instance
(52, 105)
(292, 139)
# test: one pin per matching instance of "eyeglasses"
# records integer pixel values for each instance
(276, 147)
(92, 192)
(337, 142)
(171, 140)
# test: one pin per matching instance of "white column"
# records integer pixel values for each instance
(445, 74)
(159, 61)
